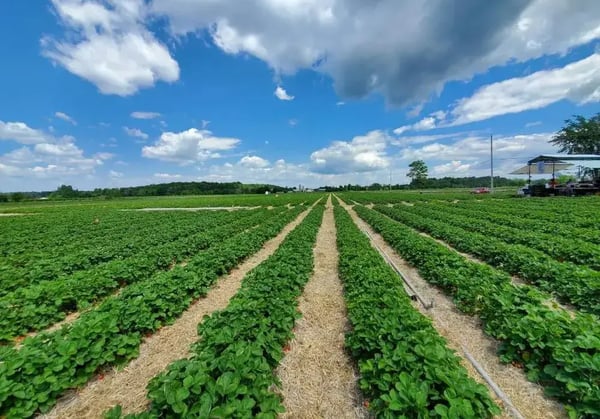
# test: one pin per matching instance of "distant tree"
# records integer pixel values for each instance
(418, 173)
(65, 191)
(580, 135)
(17, 196)
(3, 198)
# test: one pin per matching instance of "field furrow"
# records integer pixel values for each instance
(317, 376)
(127, 387)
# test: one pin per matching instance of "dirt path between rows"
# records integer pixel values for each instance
(465, 331)
(127, 387)
(317, 375)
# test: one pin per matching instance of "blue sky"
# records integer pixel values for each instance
(104, 93)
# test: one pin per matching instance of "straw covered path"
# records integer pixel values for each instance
(318, 378)
(127, 387)
(462, 331)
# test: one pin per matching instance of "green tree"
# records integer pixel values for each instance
(580, 135)
(418, 173)
(17, 196)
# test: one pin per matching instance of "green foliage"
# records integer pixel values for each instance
(43, 303)
(406, 368)
(580, 135)
(418, 173)
(231, 371)
(559, 351)
(34, 376)
(572, 283)
(17, 196)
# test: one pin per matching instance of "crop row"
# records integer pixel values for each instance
(23, 235)
(580, 212)
(38, 306)
(405, 366)
(535, 220)
(559, 351)
(577, 285)
(52, 262)
(33, 377)
(231, 371)
(562, 248)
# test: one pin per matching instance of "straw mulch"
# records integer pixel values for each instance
(127, 387)
(318, 378)
(466, 331)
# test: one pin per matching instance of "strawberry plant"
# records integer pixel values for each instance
(230, 373)
(34, 376)
(557, 350)
(406, 368)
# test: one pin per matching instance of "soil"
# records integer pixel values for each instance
(127, 387)
(318, 378)
(462, 331)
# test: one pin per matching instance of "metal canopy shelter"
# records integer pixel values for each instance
(550, 163)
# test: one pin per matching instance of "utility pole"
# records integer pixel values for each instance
(491, 163)
(390, 184)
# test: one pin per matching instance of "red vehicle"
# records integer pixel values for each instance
(480, 190)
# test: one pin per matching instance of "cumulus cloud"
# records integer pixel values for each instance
(135, 132)
(282, 94)
(515, 147)
(108, 44)
(115, 175)
(578, 82)
(453, 168)
(362, 154)
(428, 123)
(145, 115)
(44, 156)
(403, 49)
(253, 162)
(65, 117)
(21, 133)
(189, 146)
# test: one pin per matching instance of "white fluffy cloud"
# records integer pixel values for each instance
(109, 45)
(65, 117)
(428, 123)
(578, 82)
(189, 146)
(453, 168)
(21, 133)
(404, 49)
(281, 94)
(44, 156)
(253, 162)
(135, 132)
(362, 154)
(145, 115)
(516, 148)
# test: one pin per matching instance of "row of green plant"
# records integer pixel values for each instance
(34, 376)
(571, 283)
(536, 220)
(557, 350)
(567, 248)
(92, 253)
(580, 212)
(231, 370)
(43, 304)
(405, 366)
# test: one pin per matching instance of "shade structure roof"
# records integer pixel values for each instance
(550, 163)
(546, 169)
(564, 157)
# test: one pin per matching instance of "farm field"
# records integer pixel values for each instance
(287, 306)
